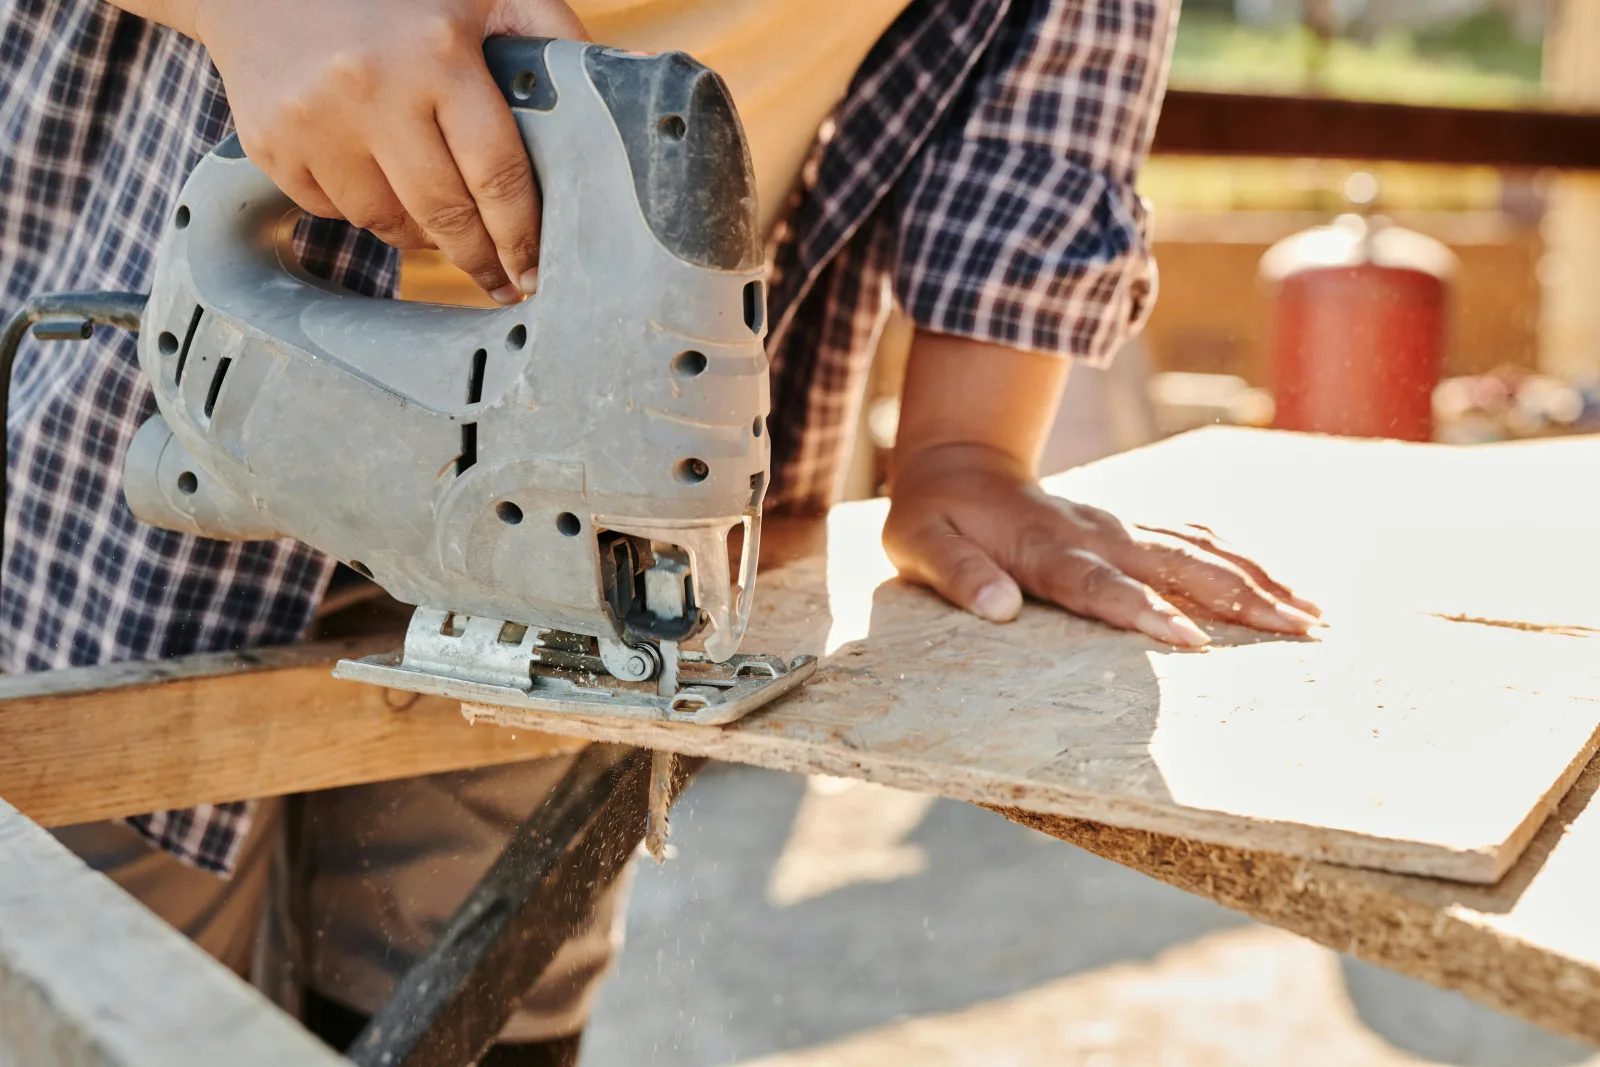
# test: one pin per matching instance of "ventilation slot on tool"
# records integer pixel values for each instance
(469, 430)
(755, 307)
(188, 339)
(480, 363)
(216, 384)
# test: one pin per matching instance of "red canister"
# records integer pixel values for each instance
(1359, 328)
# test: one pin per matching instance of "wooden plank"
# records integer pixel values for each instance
(1528, 945)
(1408, 738)
(90, 978)
(1242, 124)
(102, 742)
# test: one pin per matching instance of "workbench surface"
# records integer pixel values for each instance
(1506, 533)
(1429, 729)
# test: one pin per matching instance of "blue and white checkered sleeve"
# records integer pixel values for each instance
(1018, 222)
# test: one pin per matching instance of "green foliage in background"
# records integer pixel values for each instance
(1489, 42)
(1477, 61)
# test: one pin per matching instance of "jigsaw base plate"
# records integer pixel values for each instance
(709, 694)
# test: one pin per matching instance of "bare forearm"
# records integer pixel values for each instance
(964, 392)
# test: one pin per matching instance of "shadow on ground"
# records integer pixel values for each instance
(714, 973)
(1432, 1024)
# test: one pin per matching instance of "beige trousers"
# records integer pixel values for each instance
(342, 890)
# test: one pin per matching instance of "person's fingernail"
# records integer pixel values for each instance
(529, 282)
(1280, 618)
(999, 601)
(1173, 629)
(506, 295)
(1306, 606)
(1298, 617)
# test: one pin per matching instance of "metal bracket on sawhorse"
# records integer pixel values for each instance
(447, 1010)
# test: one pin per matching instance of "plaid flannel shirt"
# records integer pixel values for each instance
(981, 168)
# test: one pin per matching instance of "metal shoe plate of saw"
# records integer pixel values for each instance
(487, 661)
(556, 484)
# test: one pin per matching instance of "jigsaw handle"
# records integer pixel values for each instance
(479, 460)
(649, 217)
(685, 147)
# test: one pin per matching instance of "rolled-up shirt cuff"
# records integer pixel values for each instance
(1017, 245)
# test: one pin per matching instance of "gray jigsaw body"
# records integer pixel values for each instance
(552, 484)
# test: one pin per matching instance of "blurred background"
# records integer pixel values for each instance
(1363, 143)
(1372, 217)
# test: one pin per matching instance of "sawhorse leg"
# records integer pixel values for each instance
(447, 1010)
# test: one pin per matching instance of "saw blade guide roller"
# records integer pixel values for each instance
(555, 485)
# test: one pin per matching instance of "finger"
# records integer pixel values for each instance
(304, 190)
(956, 568)
(1204, 538)
(1214, 583)
(483, 137)
(1085, 583)
(424, 177)
(362, 195)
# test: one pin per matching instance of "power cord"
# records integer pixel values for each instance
(56, 317)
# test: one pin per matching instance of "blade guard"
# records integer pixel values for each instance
(470, 459)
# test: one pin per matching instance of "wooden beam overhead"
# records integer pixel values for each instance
(1240, 124)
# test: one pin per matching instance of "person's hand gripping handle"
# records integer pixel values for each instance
(386, 115)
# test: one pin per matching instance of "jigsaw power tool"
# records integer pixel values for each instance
(553, 485)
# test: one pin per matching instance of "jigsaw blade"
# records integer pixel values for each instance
(662, 767)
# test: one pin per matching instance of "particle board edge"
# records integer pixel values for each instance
(1479, 866)
(1443, 945)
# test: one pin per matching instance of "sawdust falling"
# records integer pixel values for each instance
(846, 833)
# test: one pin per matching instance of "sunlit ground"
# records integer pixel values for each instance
(828, 923)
